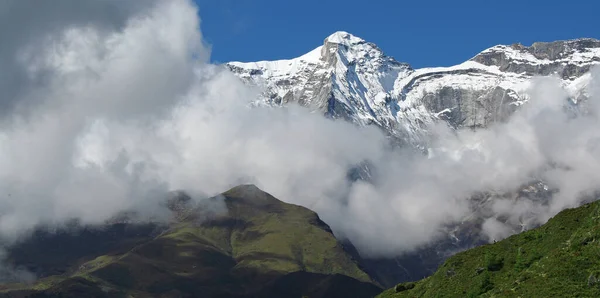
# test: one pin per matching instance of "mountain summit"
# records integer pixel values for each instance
(343, 38)
(352, 79)
(345, 78)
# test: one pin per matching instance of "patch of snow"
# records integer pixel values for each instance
(345, 38)
(444, 111)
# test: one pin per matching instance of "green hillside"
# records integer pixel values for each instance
(558, 259)
(261, 247)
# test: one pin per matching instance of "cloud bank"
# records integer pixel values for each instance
(107, 106)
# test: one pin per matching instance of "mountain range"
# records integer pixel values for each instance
(263, 247)
(352, 79)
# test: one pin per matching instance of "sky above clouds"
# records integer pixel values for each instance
(110, 106)
(422, 33)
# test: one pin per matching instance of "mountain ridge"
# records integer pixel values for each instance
(352, 79)
(259, 248)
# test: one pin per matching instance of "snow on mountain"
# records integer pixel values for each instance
(350, 78)
(345, 78)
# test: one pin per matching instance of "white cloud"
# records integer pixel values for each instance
(109, 111)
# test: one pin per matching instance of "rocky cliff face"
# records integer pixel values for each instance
(568, 59)
(352, 79)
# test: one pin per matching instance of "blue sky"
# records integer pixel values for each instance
(422, 33)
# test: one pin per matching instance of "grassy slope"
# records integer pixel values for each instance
(559, 259)
(260, 241)
(293, 236)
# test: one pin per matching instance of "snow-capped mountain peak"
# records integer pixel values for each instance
(346, 77)
(349, 78)
(344, 38)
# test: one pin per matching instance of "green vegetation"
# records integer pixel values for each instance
(256, 248)
(559, 259)
(266, 248)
